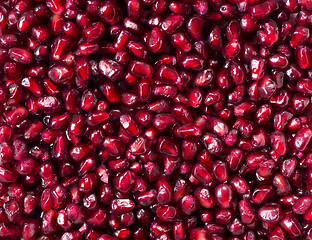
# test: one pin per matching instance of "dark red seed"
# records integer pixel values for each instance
(110, 69)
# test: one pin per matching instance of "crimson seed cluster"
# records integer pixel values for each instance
(155, 119)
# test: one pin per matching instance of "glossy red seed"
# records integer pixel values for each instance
(181, 42)
(60, 74)
(167, 146)
(155, 41)
(110, 69)
(113, 146)
(48, 223)
(192, 61)
(166, 213)
(194, 26)
(140, 69)
(224, 195)
(231, 50)
(26, 21)
(9, 230)
(302, 138)
(15, 115)
(278, 143)
(213, 144)
(20, 55)
(109, 13)
(281, 184)
(30, 229)
(247, 214)
(291, 225)
(202, 173)
(303, 58)
(239, 184)
(110, 92)
(270, 213)
(199, 233)
(261, 10)
(205, 197)
(188, 204)
(172, 23)
(120, 206)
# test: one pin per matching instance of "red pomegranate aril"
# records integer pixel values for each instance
(266, 168)
(152, 99)
(220, 171)
(20, 55)
(93, 32)
(109, 13)
(224, 195)
(60, 74)
(26, 21)
(114, 146)
(97, 217)
(291, 225)
(302, 139)
(278, 61)
(79, 151)
(270, 213)
(110, 92)
(122, 40)
(13, 210)
(167, 146)
(60, 47)
(281, 184)
(155, 40)
(110, 69)
(172, 23)
(213, 144)
(194, 26)
(231, 50)
(9, 230)
(27, 166)
(168, 74)
(278, 143)
(188, 204)
(244, 109)
(49, 223)
(261, 10)
(239, 184)
(152, 171)
(281, 119)
(299, 36)
(30, 229)
(236, 227)
(87, 48)
(166, 213)
(120, 206)
(205, 197)
(140, 146)
(41, 33)
(237, 72)
(302, 55)
(258, 67)
(140, 69)
(180, 41)
(247, 214)
(15, 115)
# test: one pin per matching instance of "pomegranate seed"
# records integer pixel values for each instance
(291, 226)
(110, 69)
(146, 100)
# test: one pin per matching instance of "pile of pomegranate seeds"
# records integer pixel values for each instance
(156, 119)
